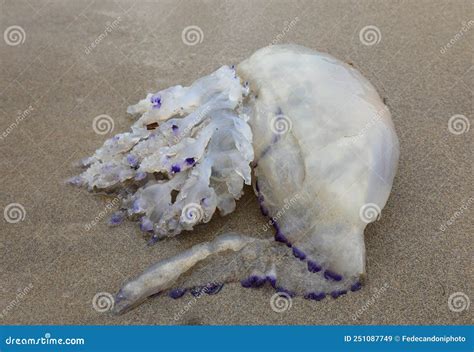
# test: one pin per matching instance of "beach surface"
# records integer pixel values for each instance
(76, 60)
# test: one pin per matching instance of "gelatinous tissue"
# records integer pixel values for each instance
(307, 130)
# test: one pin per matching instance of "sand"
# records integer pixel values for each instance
(52, 266)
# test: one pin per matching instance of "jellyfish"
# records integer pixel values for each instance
(306, 130)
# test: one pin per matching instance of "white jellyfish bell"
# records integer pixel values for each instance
(323, 151)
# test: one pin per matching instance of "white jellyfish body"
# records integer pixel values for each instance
(324, 154)
(324, 135)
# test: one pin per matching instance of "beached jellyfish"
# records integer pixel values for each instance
(307, 130)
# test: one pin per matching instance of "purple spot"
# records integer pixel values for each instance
(120, 296)
(284, 290)
(136, 208)
(205, 202)
(260, 198)
(156, 101)
(117, 218)
(259, 281)
(132, 160)
(320, 296)
(154, 239)
(249, 282)
(336, 294)
(315, 296)
(116, 138)
(197, 291)
(331, 275)
(146, 225)
(174, 128)
(140, 176)
(276, 226)
(313, 266)
(265, 151)
(356, 287)
(279, 237)
(298, 253)
(272, 280)
(190, 161)
(275, 138)
(213, 288)
(257, 188)
(175, 169)
(264, 210)
(177, 293)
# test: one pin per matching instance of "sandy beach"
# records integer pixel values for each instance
(68, 62)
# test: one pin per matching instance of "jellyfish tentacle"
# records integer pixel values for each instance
(231, 257)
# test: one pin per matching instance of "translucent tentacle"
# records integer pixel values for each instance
(232, 258)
